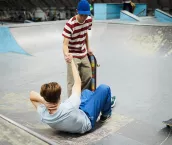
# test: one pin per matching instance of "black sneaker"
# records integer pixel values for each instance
(168, 122)
(104, 118)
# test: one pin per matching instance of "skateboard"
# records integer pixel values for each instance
(94, 65)
(168, 123)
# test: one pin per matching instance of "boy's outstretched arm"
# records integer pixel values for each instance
(76, 89)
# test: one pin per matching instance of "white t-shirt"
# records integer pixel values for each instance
(68, 117)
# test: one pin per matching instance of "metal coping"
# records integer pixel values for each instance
(111, 21)
(164, 13)
(28, 130)
(130, 15)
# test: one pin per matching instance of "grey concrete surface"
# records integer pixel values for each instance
(134, 60)
(12, 135)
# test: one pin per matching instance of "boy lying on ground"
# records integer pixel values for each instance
(78, 114)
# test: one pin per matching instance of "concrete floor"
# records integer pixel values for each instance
(135, 60)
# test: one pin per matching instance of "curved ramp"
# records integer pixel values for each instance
(8, 43)
(34, 38)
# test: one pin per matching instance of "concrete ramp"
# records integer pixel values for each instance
(134, 61)
(35, 38)
(8, 43)
(39, 37)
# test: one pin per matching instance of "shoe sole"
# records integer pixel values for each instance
(105, 120)
(113, 104)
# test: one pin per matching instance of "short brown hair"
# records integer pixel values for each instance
(51, 92)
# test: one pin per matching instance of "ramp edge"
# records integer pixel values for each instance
(39, 136)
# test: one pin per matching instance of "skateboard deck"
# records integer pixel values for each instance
(94, 65)
(168, 122)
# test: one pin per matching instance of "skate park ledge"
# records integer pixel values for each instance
(162, 16)
(125, 15)
(105, 11)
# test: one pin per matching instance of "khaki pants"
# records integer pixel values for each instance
(84, 68)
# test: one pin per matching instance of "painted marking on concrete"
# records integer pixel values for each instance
(113, 125)
(16, 100)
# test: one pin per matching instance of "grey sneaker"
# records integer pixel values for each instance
(113, 101)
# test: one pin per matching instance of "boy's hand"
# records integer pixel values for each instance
(68, 57)
(51, 106)
(90, 52)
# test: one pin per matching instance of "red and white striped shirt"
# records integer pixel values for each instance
(76, 33)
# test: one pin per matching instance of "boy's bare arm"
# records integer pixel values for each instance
(66, 50)
(65, 46)
(87, 41)
(87, 45)
(36, 99)
(77, 80)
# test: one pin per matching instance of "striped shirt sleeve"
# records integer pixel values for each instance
(67, 31)
(90, 24)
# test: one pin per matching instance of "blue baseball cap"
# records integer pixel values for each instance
(83, 8)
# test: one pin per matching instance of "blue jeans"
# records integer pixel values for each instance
(92, 103)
